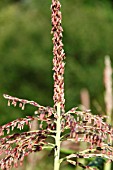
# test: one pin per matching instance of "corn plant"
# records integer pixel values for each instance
(55, 122)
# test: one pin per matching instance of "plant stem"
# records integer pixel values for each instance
(57, 140)
(108, 97)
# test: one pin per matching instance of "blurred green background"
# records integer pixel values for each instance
(26, 52)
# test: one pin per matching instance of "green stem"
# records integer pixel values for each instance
(57, 140)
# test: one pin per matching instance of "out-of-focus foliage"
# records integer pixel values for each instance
(26, 51)
(97, 163)
(88, 31)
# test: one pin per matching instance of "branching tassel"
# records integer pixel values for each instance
(59, 55)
